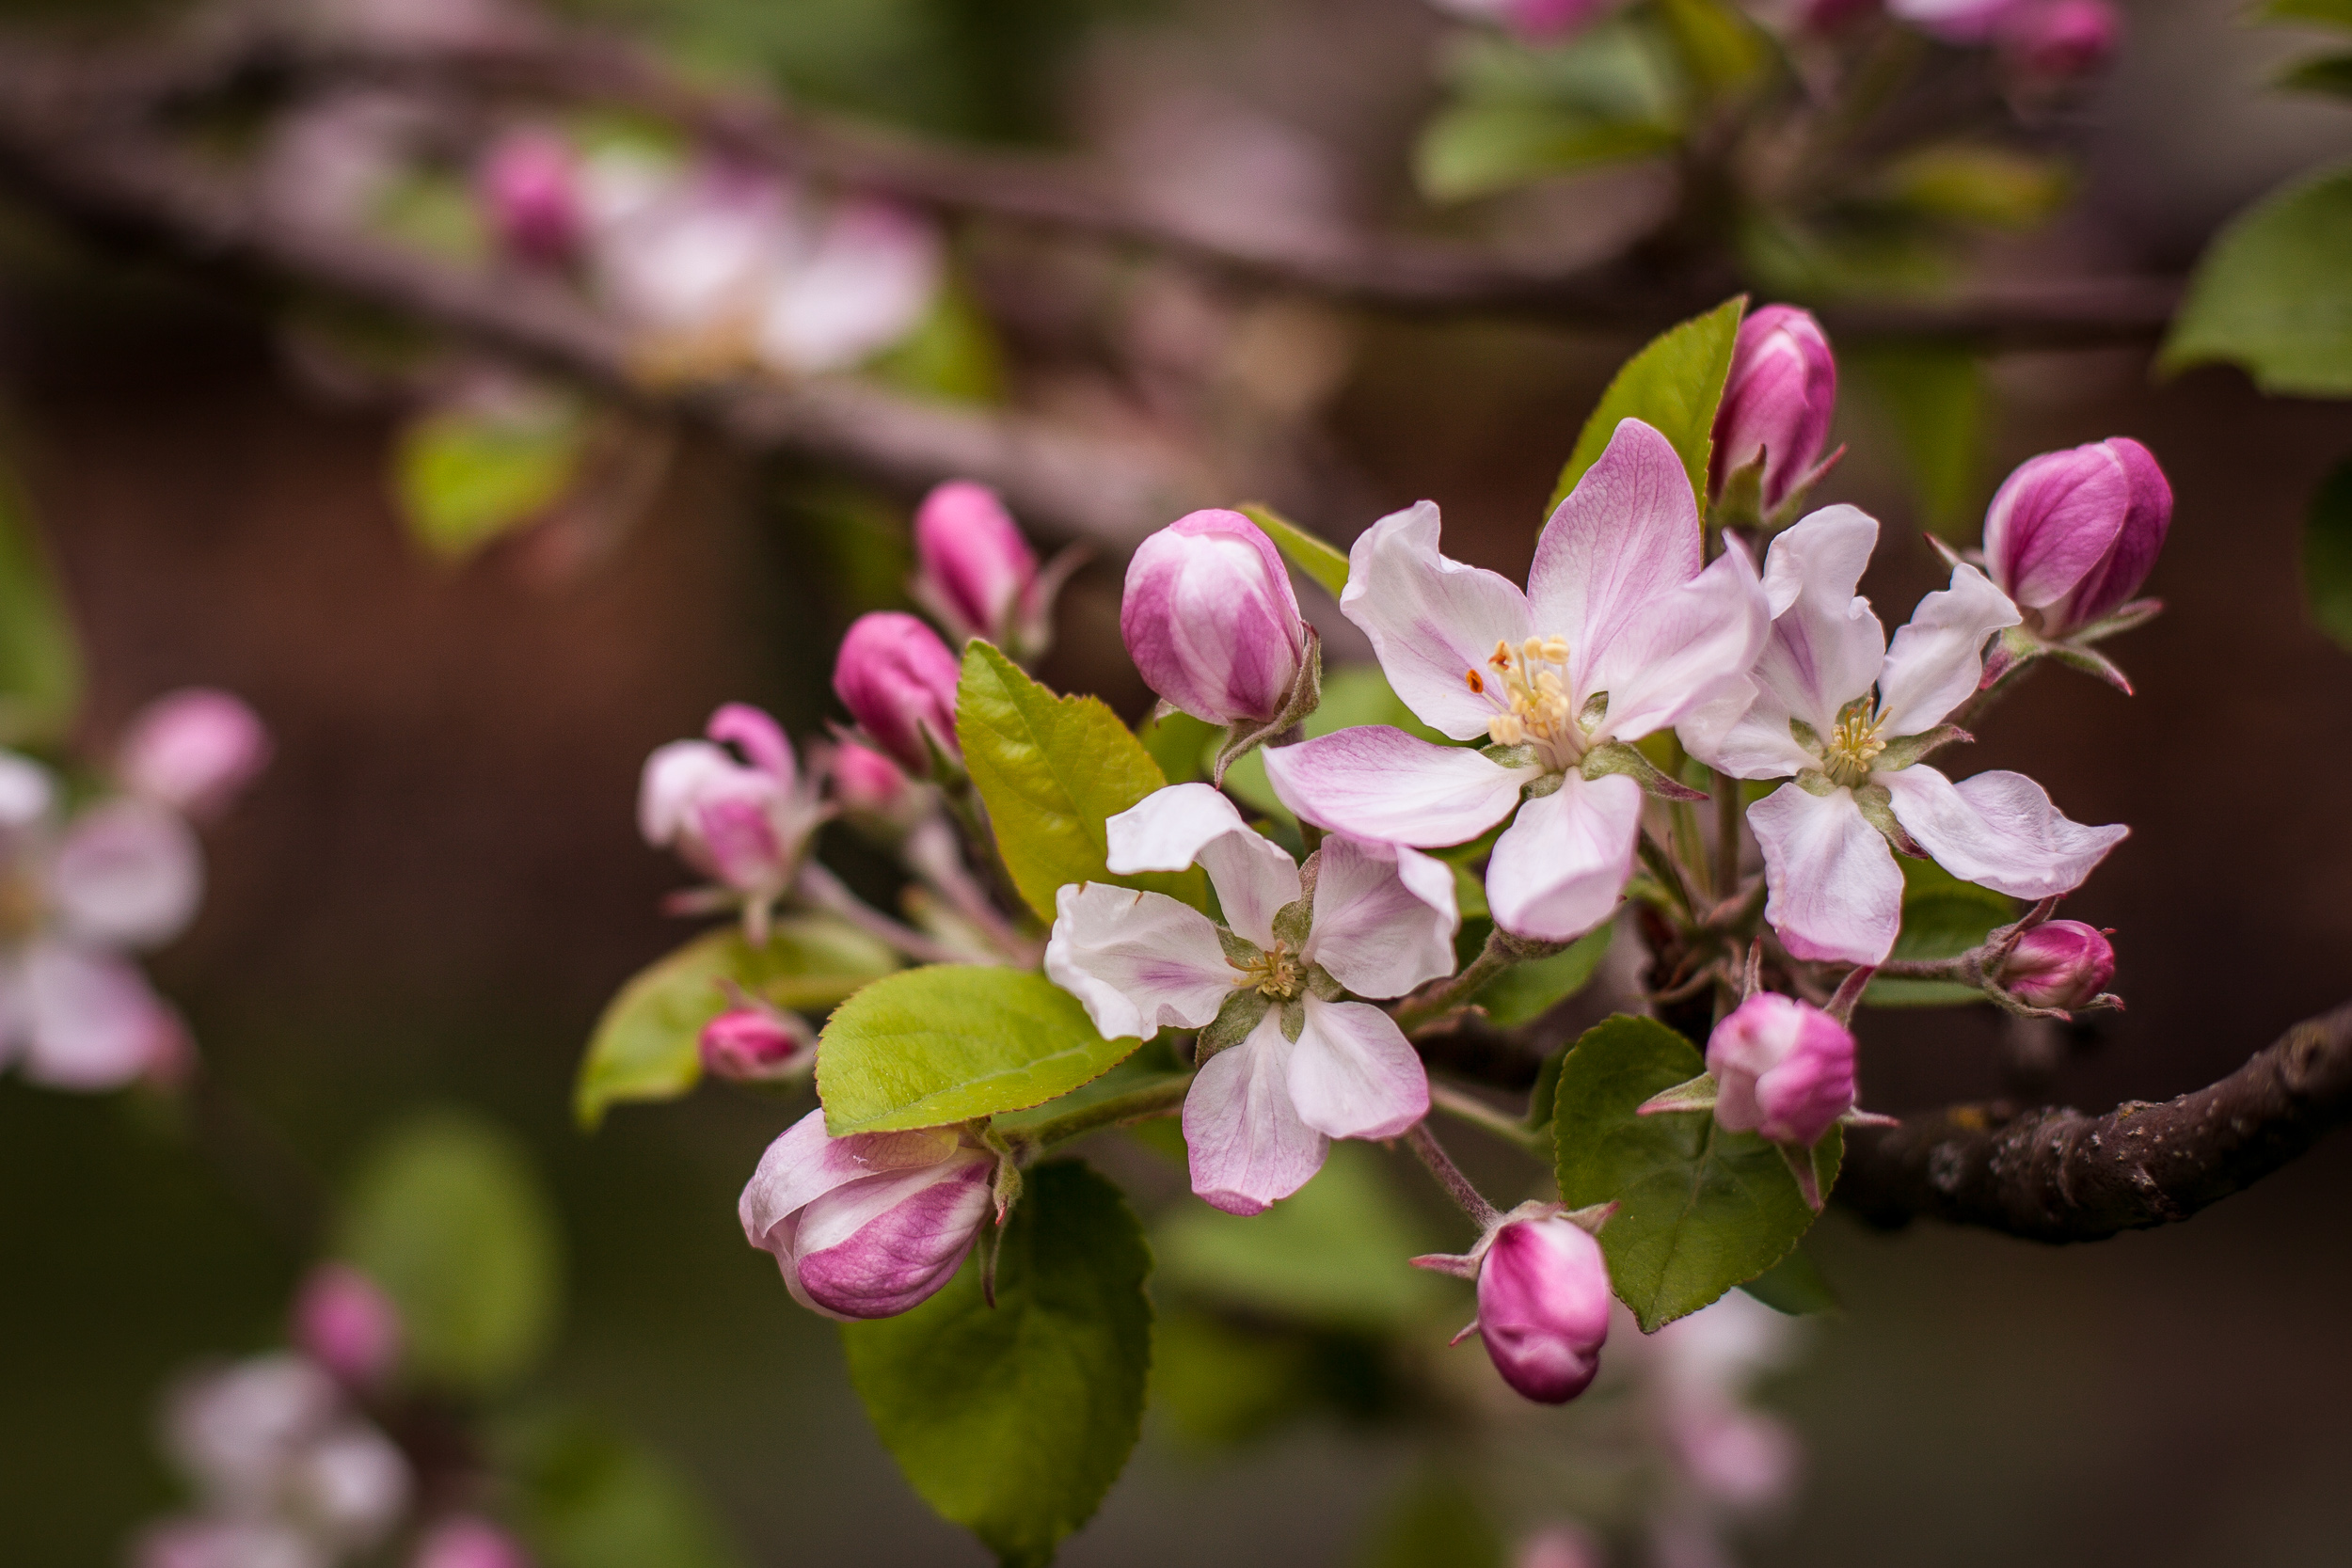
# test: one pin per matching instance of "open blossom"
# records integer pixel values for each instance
(1845, 715)
(973, 569)
(2059, 963)
(741, 816)
(1210, 620)
(2071, 535)
(1777, 403)
(898, 681)
(1620, 633)
(868, 1225)
(1299, 1065)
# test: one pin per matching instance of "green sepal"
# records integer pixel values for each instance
(1616, 757)
(1244, 1010)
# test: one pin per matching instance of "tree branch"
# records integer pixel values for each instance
(2057, 1175)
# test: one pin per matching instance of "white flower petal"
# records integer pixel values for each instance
(1826, 647)
(1377, 783)
(1352, 1075)
(1247, 1145)
(1173, 828)
(1431, 621)
(1558, 871)
(1137, 961)
(1688, 645)
(802, 1163)
(1998, 829)
(1837, 894)
(129, 874)
(91, 1022)
(1745, 733)
(1628, 534)
(27, 791)
(1384, 916)
(1936, 660)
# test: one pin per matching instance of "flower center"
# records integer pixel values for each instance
(1854, 745)
(1277, 973)
(1529, 685)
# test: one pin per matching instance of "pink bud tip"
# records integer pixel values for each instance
(1783, 1069)
(866, 783)
(973, 569)
(2059, 963)
(1210, 619)
(342, 1322)
(2071, 535)
(193, 750)
(1543, 1306)
(756, 1045)
(531, 198)
(1777, 402)
(898, 680)
(467, 1542)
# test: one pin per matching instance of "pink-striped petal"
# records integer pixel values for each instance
(1377, 783)
(1998, 829)
(1836, 894)
(1183, 824)
(1352, 1075)
(1247, 1145)
(1384, 916)
(1559, 869)
(1628, 534)
(1431, 621)
(1137, 962)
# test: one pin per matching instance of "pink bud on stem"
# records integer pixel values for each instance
(1776, 404)
(898, 681)
(2071, 535)
(1783, 1069)
(1211, 622)
(973, 569)
(2059, 963)
(750, 1043)
(530, 191)
(1543, 1306)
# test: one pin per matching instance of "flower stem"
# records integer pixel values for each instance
(1483, 1214)
(1728, 818)
(1164, 1098)
(1502, 951)
(829, 892)
(1503, 1125)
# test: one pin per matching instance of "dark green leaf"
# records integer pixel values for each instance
(1526, 991)
(644, 1047)
(1014, 1422)
(41, 661)
(1440, 1523)
(1943, 918)
(448, 1217)
(1673, 385)
(1222, 1384)
(2328, 556)
(2273, 293)
(1701, 1210)
(948, 1042)
(588, 1497)
(1793, 1286)
(1935, 399)
(1319, 558)
(1476, 149)
(462, 478)
(1053, 770)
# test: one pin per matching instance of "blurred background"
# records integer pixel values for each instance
(437, 884)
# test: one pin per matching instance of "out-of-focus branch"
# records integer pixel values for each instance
(2055, 1175)
(1395, 271)
(121, 183)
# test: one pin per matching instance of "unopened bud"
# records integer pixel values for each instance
(973, 569)
(868, 1225)
(467, 1542)
(1543, 1306)
(346, 1324)
(2059, 963)
(1776, 402)
(2071, 535)
(757, 1045)
(530, 197)
(898, 680)
(1210, 619)
(743, 820)
(193, 750)
(1783, 1069)
(2063, 39)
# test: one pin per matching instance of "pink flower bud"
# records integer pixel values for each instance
(868, 1225)
(743, 820)
(866, 783)
(973, 569)
(1777, 402)
(2059, 963)
(1543, 1306)
(1783, 1068)
(193, 750)
(342, 1322)
(2064, 39)
(529, 193)
(1957, 21)
(898, 680)
(1210, 619)
(2071, 534)
(757, 1045)
(467, 1542)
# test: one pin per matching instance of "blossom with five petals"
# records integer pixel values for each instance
(1623, 630)
(1846, 716)
(1288, 1063)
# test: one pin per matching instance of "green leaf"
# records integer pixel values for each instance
(2328, 556)
(1701, 1210)
(1014, 1422)
(1993, 187)
(2273, 293)
(41, 660)
(1181, 744)
(464, 478)
(1473, 149)
(1319, 558)
(1441, 1523)
(588, 1497)
(645, 1045)
(1943, 918)
(1793, 1286)
(1674, 386)
(1720, 49)
(448, 1216)
(1052, 771)
(2329, 75)
(1935, 399)
(1526, 991)
(948, 1042)
(1332, 1253)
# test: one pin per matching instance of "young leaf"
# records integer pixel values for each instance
(2328, 556)
(41, 660)
(464, 478)
(1976, 183)
(948, 1042)
(1526, 991)
(1014, 1421)
(448, 1217)
(1052, 771)
(1673, 385)
(2273, 293)
(1701, 1210)
(588, 1497)
(644, 1046)
(1319, 558)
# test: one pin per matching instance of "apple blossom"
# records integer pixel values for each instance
(1209, 618)
(898, 681)
(1776, 404)
(192, 750)
(1844, 717)
(346, 1324)
(1287, 1063)
(2070, 536)
(2059, 963)
(868, 1225)
(742, 816)
(1620, 633)
(973, 569)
